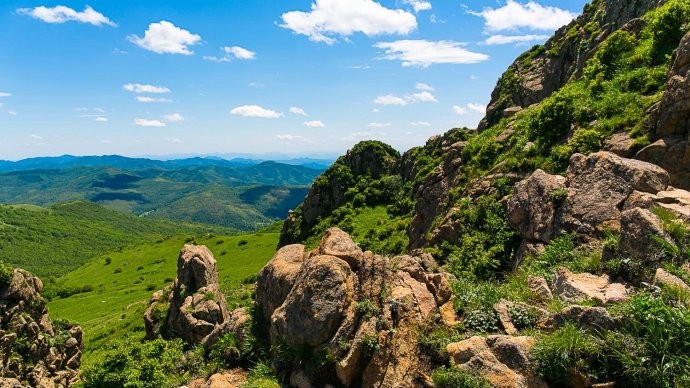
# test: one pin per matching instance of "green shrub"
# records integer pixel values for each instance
(6, 273)
(117, 270)
(445, 377)
(569, 348)
(150, 364)
(366, 308)
(523, 317)
(225, 351)
(482, 320)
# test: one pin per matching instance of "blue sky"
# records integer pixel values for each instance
(304, 77)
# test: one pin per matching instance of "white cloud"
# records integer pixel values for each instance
(4, 94)
(376, 110)
(379, 125)
(420, 124)
(331, 18)
(291, 138)
(315, 124)
(530, 15)
(298, 111)
(165, 38)
(175, 140)
(418, 5)
(510, 39)
(469, 108)
(390, 100)
(62, 14)
(235, 52)
(423, 86)
(142, 88)
(152, 99)
(255, 111)
(101, 119)
(149, 123)
(11, 113)
(422, 97)
(174, 118)
(34, 136)
(424, 53)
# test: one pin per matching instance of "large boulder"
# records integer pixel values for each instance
(195, 304)
(363, 309)
(532, 207)
(32, 348)
(579, 287)
(503, 360)
(640, 231)
(598, 186)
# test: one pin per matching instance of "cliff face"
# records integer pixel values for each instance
(34, 349)
(544, 69)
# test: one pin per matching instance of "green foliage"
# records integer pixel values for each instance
(133, 364)
(366, 308)
(6, 273)
(445, 377)
(483, 320)
(371, 344)
(678, 230)
(225, 351)
(668, 25)
(434, 340)
(565, 349)
(486, 244)
(523, 317)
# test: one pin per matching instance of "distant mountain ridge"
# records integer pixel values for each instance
(129, 163)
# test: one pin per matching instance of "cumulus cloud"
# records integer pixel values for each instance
(101, 119)
(420, 124)
(329, 19)
(530, 15)
(390, 99)
(4, 94)
(255, 111)
(149, 123)
(510, 39)
(469, 108)
(11, 113)
(173, 118)
(34, 136)
(230, 53)
(379, 125)
(142, 88)
(314, 124)
(423, 86)
(424, 53)
(418, 5)
(165, 38)
(152, 99)
(62, 14)
(298, 111)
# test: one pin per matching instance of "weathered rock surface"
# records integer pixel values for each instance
(503, 360)
(621, 144)
(32, 349)
(639, 230)
(194, 304)
(532, 207)
(540, 287)
(341, 295)
(664, 278)
(585, 317)
(670, 121)
(226, 379)
(580, 287)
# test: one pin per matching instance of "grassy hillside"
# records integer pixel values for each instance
(240, 197)
(122, 282)
(54, 240)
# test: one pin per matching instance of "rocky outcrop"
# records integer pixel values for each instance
(33, 348)
(579, 287)
(663, 278)
(670, 121)
(640, 230)
(532, 207)
(539, 72)
(362, 309)
(194, 304)
(503, 360)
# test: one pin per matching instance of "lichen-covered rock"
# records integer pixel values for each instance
(42, 360)
(639, 230)
(533, 205)
(586, 317)
(598, 186)
(503, 360)
(578, 287)
(375, 305)
(195, 305)
(277, 278)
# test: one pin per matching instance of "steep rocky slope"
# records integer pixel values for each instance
(35, 350)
